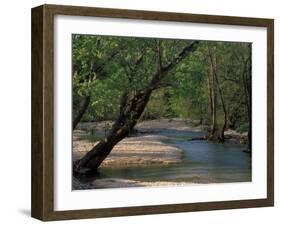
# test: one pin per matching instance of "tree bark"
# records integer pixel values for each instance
(214, 106)
(121, 128)
(131, 110)
(249, 101)
(223, 107)
(213, 60)
(81, 112)
(210, 93)
(246, 82)
(213, 98)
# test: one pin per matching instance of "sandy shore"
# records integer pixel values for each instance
(144, 149)
(121, 183)
(134, 151)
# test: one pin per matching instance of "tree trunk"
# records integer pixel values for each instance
(120, 129)
(215, 73)
(224, 110)
(213, 98)
(214, 106)
(246, 82)
(81, 112)
(210, 93)
(130, 111)
(249, 105)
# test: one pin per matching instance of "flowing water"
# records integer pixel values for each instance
(203, 162)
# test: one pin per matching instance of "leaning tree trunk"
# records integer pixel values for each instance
(121, 128)
(130, 111)
(81, 112)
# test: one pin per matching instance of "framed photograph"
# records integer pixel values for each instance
(141, 112)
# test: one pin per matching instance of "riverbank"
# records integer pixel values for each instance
(140, 150)
(155, 143)
(143, 149)
(121, 183)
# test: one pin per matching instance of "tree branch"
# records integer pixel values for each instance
(165, 69)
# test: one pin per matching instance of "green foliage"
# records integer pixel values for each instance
(158, 105)
(243, 128)
(106, 67)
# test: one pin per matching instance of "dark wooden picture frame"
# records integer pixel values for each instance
(42, 203)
